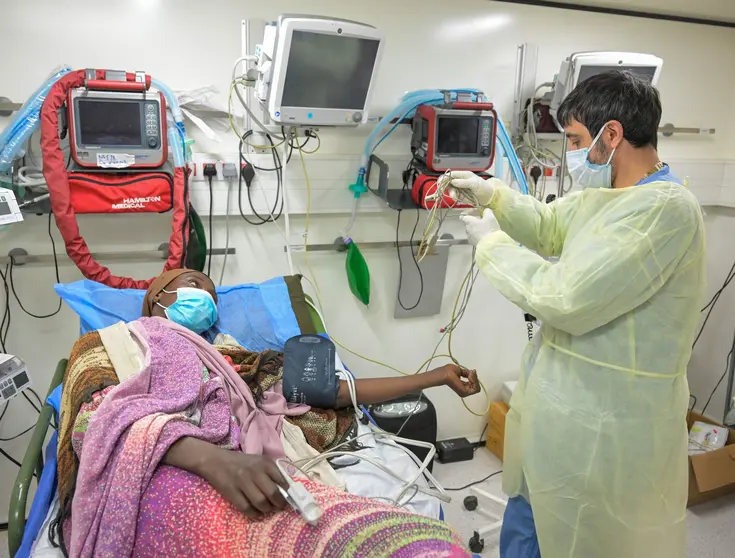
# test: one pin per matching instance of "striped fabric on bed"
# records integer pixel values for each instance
(181, 515)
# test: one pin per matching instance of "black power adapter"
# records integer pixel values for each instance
(454, 450)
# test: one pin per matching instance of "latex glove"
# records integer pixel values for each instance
(482, 189)
(479, 227)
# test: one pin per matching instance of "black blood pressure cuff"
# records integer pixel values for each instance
(309, 371)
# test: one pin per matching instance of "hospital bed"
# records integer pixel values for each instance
(33, 462)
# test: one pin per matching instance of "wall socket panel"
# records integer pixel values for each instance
(197, 167)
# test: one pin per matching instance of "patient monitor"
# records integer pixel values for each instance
(13, 377)
(317, 71)
(583, 65)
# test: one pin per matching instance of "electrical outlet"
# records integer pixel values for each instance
(201, 159)
(198, 163)
(216, 164)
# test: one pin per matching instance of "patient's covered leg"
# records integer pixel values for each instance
(182, 515)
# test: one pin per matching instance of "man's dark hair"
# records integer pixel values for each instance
(615, 95)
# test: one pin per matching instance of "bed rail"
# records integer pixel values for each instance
(32, 464)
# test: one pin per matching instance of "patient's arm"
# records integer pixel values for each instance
(463, 382)
(249, 482)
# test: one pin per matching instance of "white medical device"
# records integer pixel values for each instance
(9, 210)
(317, 71)
(13, 377)
(583, 65)
(299, 498)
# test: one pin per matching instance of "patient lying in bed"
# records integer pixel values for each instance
(167, 446)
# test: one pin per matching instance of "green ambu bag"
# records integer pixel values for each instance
(358, 274)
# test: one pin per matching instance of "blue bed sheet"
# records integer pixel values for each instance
(258, 316)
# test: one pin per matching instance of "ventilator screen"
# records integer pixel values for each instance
(457, 135)
(109, 123)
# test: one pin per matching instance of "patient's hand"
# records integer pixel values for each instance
(464, 382)
(249, 482)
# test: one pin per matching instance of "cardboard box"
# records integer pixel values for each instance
(496, 428)
(711, 474)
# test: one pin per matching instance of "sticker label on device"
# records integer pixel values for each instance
(115, 160)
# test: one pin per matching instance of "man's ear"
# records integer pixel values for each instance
(614, 134)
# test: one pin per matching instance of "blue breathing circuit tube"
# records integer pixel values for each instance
(26, 121)
(505, 144)
(176, 131)
(407, 107)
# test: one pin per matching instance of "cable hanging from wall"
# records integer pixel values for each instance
(413, 257)
(247, 174)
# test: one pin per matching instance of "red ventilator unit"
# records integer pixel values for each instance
(458, 135)
(117, 128)
(424, 194)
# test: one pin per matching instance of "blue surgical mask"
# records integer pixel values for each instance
(586, 174)
(194, 309)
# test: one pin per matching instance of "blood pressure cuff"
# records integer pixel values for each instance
(309, 371)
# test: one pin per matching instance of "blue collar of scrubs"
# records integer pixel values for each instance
(663, 174)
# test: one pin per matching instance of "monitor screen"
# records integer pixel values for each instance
(328, 71)
(4, 206)
(457, 135)
(20, 380)
(586, 72)
(109, 122)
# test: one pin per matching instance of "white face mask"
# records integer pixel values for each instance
(587, 174)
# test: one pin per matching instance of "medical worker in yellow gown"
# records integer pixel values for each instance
(596, 437)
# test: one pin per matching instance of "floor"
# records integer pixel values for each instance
(710, 526)
(459, 474)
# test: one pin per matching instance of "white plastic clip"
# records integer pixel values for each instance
(303, 502)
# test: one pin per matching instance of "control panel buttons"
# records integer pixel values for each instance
(152, 142)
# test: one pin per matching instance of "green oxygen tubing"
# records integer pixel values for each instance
(358, 273)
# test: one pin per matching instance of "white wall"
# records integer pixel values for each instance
(188, 43)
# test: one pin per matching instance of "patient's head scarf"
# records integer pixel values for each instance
(160, 283)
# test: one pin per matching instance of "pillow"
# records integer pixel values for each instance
(259, 316)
